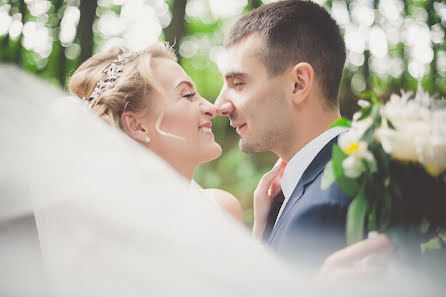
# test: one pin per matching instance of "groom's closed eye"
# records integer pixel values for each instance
(235, 79)
(237, 82)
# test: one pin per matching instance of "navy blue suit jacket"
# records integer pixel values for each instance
(312, 224)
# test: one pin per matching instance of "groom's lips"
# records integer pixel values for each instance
(239, 127)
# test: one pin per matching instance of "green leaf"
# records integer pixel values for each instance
(365, 112)
(372, 96)
(382, 158)
(347, 185)
(376, 114)
(355, 218)
(433, 244)
(366, 94)
(389, 123)
(372, 221)
(369, 136)
(328, 177)
(374, 99)
(341, 122)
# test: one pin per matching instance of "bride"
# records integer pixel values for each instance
(150, 97)
(116, 219)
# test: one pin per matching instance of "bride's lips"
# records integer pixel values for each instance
(206, 128)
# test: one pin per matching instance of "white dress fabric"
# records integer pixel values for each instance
(114, 219)
(21, 271)
(207, 195)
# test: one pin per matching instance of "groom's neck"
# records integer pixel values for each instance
(305, 128)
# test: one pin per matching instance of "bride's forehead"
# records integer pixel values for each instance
(167, 70)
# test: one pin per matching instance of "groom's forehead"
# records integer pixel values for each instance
(247, 47)
(240, 57)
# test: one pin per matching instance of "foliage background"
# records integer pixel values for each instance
(391, 44)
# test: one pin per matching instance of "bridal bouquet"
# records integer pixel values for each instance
(393, 162)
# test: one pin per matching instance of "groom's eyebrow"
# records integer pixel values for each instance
(234, 74)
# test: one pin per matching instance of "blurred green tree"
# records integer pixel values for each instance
(391, 44)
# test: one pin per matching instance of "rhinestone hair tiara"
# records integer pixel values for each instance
(113, 71)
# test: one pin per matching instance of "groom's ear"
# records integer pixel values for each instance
(132, 126)
(302, 79)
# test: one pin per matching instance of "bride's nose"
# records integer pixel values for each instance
(208, 109)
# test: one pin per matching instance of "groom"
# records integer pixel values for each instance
(281, 81)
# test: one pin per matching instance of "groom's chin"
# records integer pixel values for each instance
(246, 147)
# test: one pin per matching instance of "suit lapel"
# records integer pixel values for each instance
(310, 174)
(272, 216)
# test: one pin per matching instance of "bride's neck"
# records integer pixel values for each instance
(185, 169)
(180, 163)
(188, 173)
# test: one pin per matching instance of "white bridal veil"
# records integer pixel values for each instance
(113, 219)
(22, 99)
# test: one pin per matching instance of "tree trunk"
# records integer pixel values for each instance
(176, 29)
(366, 71)
(435, 47)
(4, 46)
(255, 3)
(18, 59)
(60, 67)
(85, 28)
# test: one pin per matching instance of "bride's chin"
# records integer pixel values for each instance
(212, 153)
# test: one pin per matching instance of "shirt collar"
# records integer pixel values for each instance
(303, 158)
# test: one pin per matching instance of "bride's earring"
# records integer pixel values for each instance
(147, 139)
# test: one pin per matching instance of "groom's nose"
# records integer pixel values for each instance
(223, 107)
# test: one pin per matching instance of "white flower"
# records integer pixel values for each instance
(363, 125)
(363, 103)
(353, 165)
(356, 116)
(432, 148)
(350, 143)
(401, 143)
(438, 122)
(419, 134)
(399, 111)
(432, 154)
(411, 121)
(349, 140)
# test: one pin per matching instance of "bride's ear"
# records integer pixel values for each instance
(133, 126)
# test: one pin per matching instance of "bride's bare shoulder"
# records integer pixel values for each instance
(227, 201)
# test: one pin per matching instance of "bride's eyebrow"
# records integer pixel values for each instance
(188, 83)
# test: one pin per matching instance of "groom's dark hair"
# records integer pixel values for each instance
(296, 31)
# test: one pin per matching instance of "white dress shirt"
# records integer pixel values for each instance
(301, 160)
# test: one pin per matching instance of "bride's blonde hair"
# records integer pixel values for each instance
(132, 91)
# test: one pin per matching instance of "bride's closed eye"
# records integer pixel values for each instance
(189, 95)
